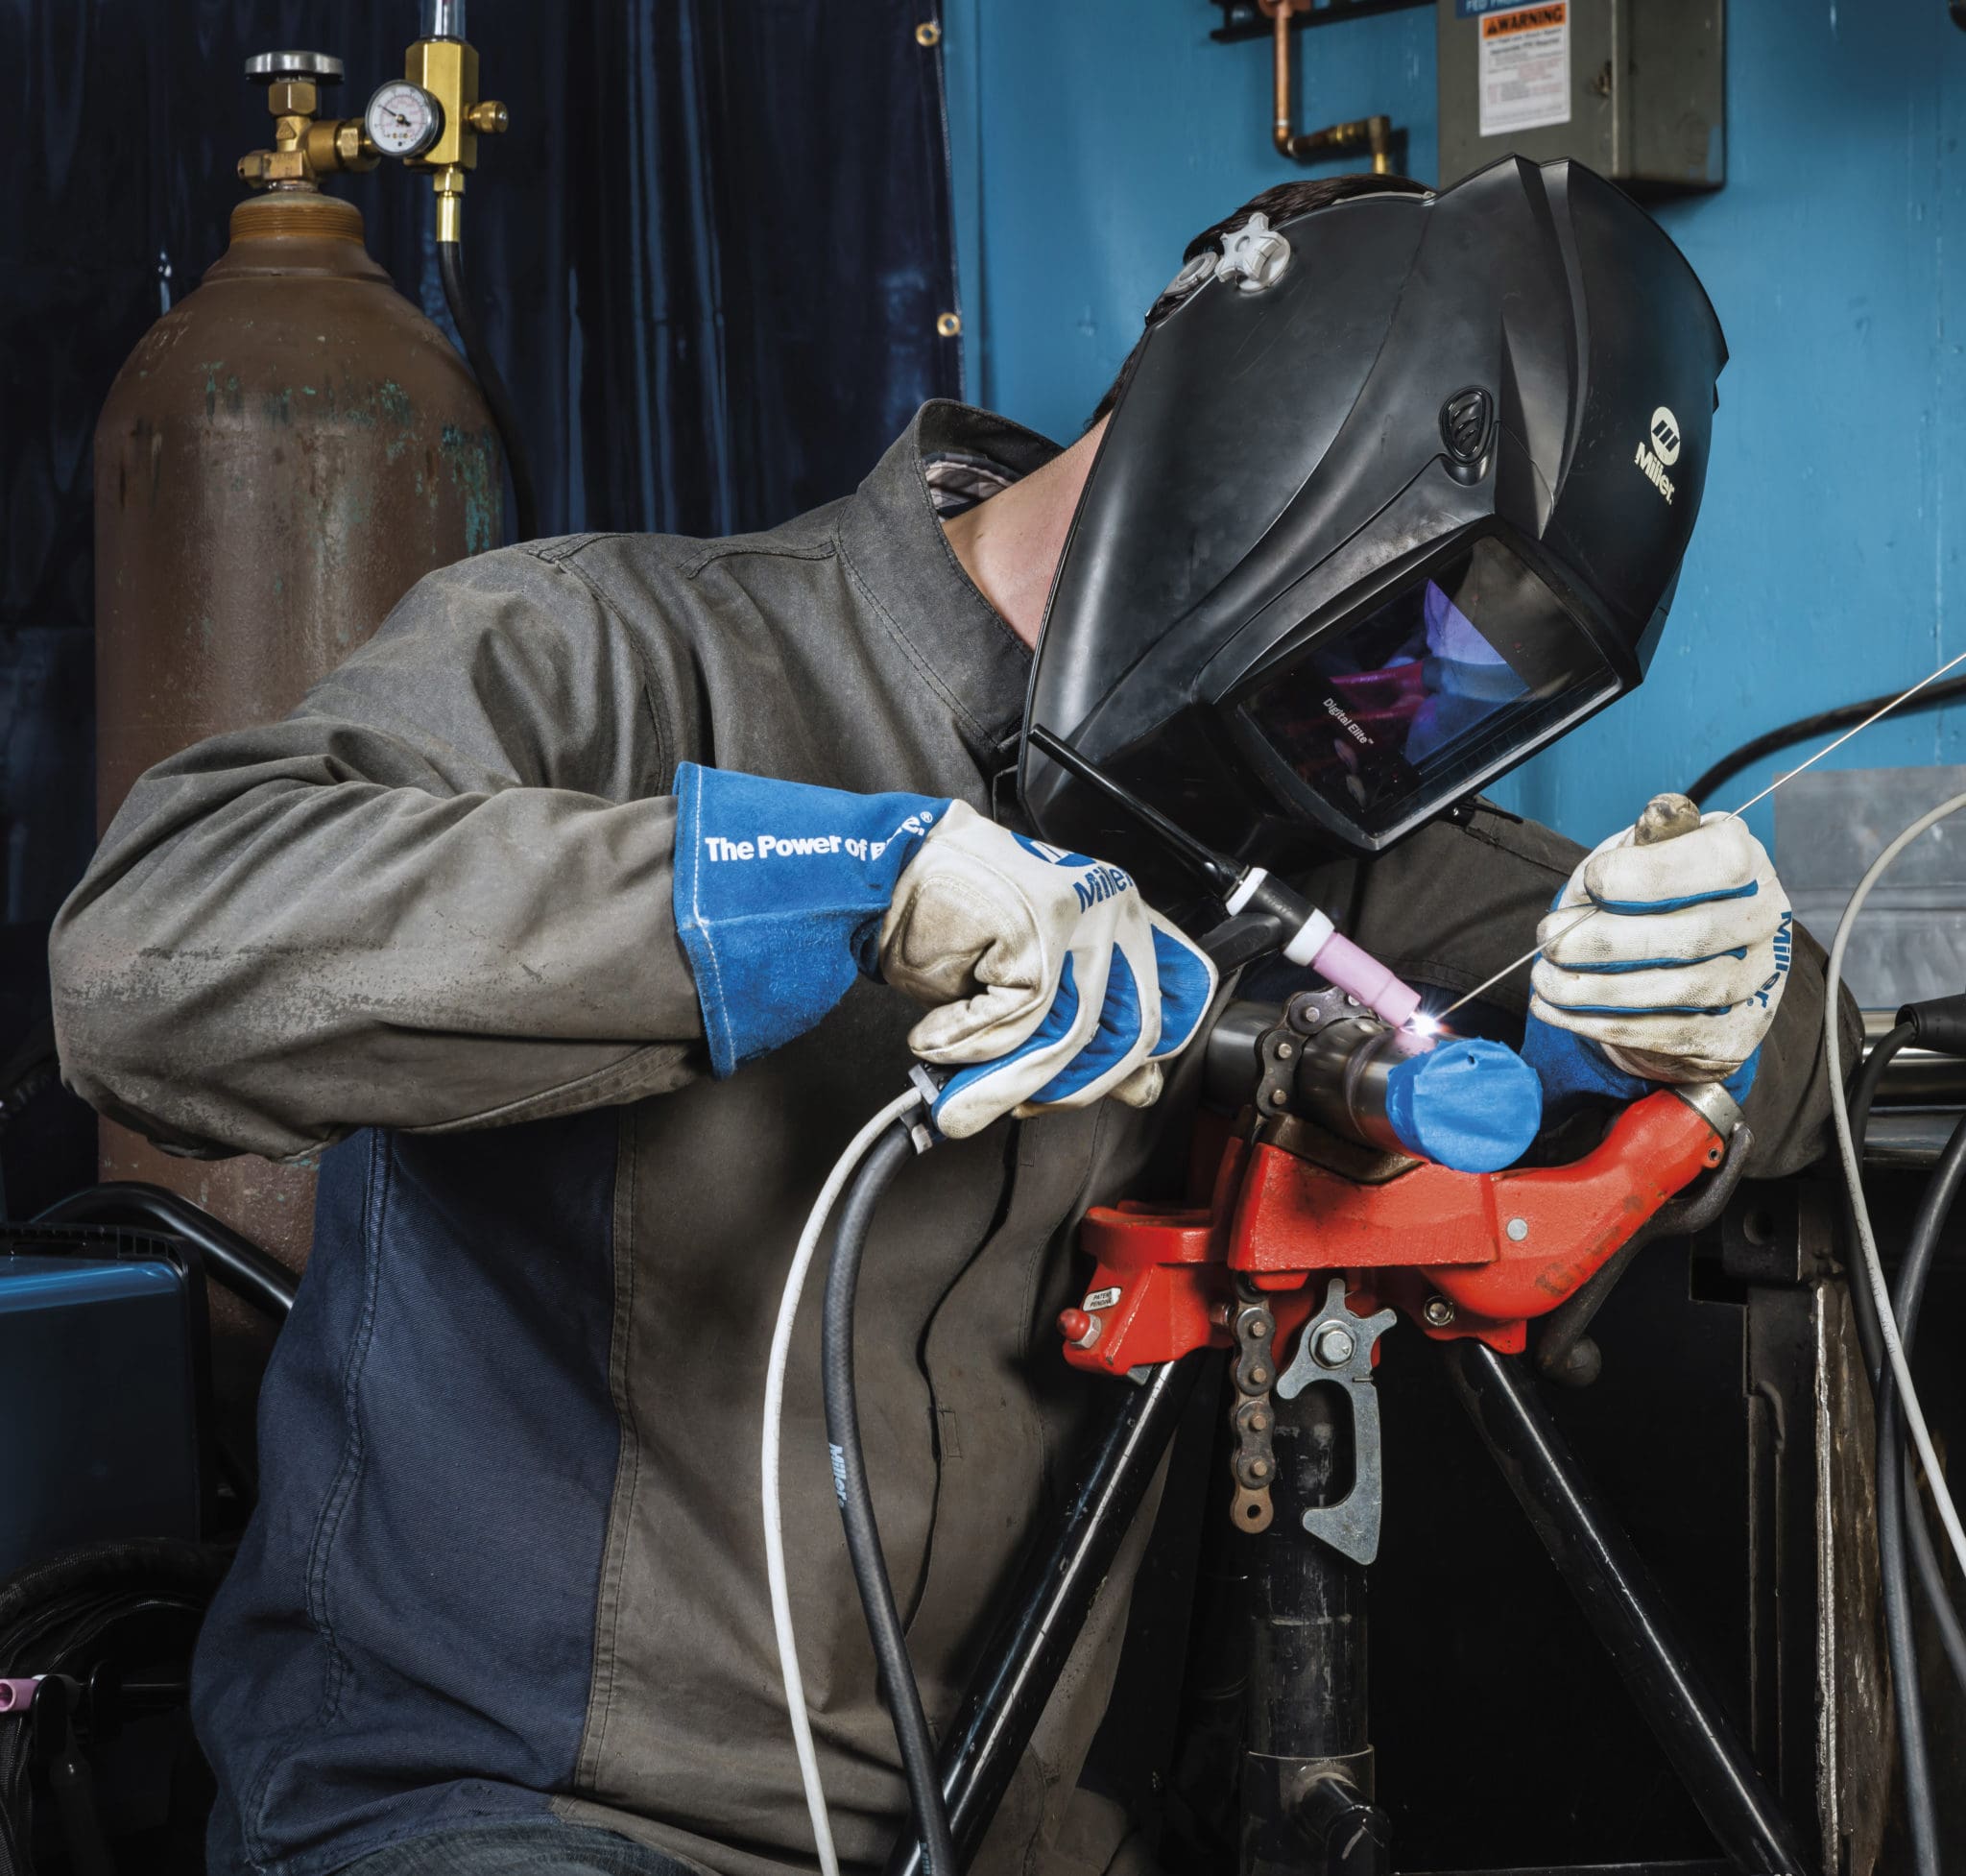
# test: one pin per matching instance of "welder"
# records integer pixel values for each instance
(563, 923)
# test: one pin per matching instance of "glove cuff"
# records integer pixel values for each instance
(1576, 1071)
(779, 890)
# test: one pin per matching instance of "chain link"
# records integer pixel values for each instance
(1251, 1415)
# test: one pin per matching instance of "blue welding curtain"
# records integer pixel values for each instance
(710, 256)
(711, 253)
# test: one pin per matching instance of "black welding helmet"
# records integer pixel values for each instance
(1395, 494)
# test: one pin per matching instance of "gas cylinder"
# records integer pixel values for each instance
(284, 454)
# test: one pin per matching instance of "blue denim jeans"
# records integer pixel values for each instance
(534, 1847)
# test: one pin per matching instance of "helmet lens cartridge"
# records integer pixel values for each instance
(1383, 719)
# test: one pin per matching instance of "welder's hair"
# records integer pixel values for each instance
(1283, 204)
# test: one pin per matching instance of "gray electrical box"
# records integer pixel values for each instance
(1634, 88)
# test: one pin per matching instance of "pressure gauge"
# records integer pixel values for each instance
(403, 119)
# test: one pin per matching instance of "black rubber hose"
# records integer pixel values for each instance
(1863, 1094)
(1895, 1509)
(1925, 1557)
(451, 266)
(231, 1259)
(1823, 723)
(863, 1195)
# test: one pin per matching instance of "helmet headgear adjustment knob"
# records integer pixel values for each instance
(1255, 256)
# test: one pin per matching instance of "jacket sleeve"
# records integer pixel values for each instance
(436, 896)
(1455, 903)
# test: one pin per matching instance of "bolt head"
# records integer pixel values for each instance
(1439, 1312)
(1518, 1230)
(1284, 1051)
(1333, 1346)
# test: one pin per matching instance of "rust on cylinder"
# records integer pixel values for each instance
(285, 453)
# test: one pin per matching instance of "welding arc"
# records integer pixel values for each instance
(1535, 950)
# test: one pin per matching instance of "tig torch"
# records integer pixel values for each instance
(1303, 934)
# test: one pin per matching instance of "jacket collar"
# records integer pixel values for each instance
(891, 534)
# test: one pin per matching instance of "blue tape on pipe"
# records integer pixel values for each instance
(1474, 1106)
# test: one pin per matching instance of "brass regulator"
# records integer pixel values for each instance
(431, 118)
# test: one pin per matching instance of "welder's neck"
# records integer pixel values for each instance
(1009, 546)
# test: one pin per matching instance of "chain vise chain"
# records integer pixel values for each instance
(1250, 1416)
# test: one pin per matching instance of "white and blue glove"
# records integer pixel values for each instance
(1049, 981)
(1678, 975)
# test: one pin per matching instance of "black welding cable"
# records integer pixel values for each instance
(1806, 728)
(1863, 1094)
(1908, 1300)
(886, 1158)
(450, 267)
(1931, 1571)
(1894, 1510)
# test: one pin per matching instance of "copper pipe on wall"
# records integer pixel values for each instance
(1374, 134)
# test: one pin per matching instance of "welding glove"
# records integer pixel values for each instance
(1678, 975)
(1049, 981)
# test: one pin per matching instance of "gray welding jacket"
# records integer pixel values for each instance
(507, 1556)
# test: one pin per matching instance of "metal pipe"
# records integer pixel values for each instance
(1307, 1659)
(1281, 40)
(1009, 1689)
(444, 19)
(1622, 1604)
(1374, 134)
(1341, 1075)
(1914, 1077)
(1306, 1784)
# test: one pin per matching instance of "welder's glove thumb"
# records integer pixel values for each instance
(1050, 982)
(1677, 976)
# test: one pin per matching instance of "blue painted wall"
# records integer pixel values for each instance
(1093, 137)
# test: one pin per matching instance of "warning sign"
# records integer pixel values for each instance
(1525, 68)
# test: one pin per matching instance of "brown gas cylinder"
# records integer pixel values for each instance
(284, 454)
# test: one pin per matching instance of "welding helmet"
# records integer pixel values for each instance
(1394, 495)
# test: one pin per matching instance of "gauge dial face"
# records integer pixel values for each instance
(403, 119)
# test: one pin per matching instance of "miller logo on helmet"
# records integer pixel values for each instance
(1666, 436)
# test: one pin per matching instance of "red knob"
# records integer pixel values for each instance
(1078, 1328)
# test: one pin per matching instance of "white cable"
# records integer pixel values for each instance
(768, 1457)
(1853, 1176)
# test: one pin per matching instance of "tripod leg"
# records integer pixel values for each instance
(1617, 1594)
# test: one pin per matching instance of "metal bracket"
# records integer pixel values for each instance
(1337, 1346)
